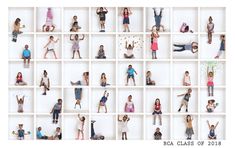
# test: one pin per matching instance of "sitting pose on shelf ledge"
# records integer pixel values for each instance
(56, 110)
(95, 136)
(212, 128)
(189, 127)
(129, 50)
(129, 106)
(154, 42)
(76, 46)
(20, 132)
(75, 27)
(80, 126)
(149, 81)
(186, 79)
(20, 102)
(50, 46)
(185, 99)
(157, 135)
(123, 126)
(58, 134)
(103, 80)
(49, 26)
(158, 19)
(102, 11)
(210, 29)
(41, 136)
(45, 82)
(126, 12)
(130, 74)
(85, 77)
(26, 55)
(157, 112)
(19, 80)
(78, 97)
(16, 29)
(222, 46)
(210, 81)
(103, 101)
(210, 107)
(193, 47)
(101, 53)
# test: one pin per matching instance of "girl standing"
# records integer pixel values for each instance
(80, 126)
(186, 79)
(157, 112)
(154, 42)
(129, 106)
(50, 46)
(76, 46)
(123, 126)
(210, 29)
(210, 81)
(189, 127)
(126, 12)
(45, 82)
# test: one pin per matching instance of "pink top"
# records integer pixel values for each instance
(210, 81)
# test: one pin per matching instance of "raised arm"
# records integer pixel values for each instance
(126, 45)
(180, 95)
(83, 36)
(23, 99)
(17, 98)
(128, 119)
(106, 10)
(208, 124)
(216, 124)
(97, 10)
(70, 38)
(129, 11)
(56, 40)
(133, 44)
(119, 118)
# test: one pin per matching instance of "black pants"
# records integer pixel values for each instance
(92, 130)
(56, 114)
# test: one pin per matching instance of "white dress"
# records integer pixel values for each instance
(123, 126)
(45, 80)
(79, 124)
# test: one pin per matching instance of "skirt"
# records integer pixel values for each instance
(154, 46)
(189, 131)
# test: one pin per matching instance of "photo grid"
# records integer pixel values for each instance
(116, 73)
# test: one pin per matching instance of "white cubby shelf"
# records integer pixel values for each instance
(167, 71)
